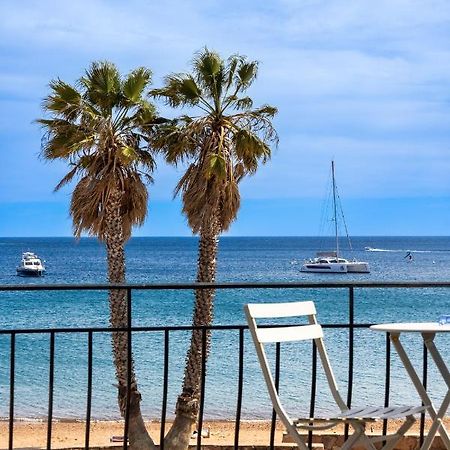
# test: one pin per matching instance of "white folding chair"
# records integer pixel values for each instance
(355, 417)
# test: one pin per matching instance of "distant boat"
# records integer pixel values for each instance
(30, 265)
(332, 261)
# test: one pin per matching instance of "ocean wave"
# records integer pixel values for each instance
(371, 249)
(26, 419)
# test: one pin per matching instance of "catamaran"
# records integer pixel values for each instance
(333, 261)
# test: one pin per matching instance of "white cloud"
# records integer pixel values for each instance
(379, 168)
(364, 81)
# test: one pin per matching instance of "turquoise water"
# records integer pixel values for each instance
(157, 260)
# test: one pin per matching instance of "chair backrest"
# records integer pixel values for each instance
(274, 334)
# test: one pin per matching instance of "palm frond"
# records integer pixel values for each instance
(238, 172)
(134, 203)
(217, 167)
(231, 99)
(259, 122)
(266, 110)
(209, 69)
(233, 63)
(65, 100)
(229, 205)
(135, 83)
(146, 160)
(249, 149)
(148, 179)
(243, 103)
(66, 179)
(63, 139)
(185, 180)
(207, 64)
(102, 85)
(247, 73)
(176, 143)
(146, 114)
(179, 90)
(190, 90)
(87, 207)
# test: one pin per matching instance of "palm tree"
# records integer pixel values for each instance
(99, 128)
(223, 144)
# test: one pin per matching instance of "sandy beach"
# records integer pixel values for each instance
(70, 434)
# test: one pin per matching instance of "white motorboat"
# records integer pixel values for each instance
(30, 265)
(333, 262)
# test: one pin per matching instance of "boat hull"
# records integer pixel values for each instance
(324, 268)
(358, 267)
(348, 267)
(30, 272)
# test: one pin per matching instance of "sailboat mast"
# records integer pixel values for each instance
(335, 210)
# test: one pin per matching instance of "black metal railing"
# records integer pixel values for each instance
(167, 330)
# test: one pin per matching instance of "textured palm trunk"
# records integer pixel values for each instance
(138, 436)
(187, 408)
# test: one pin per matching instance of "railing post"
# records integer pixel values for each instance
(277, 387)
(202, 390)
(387, 383)
(50, 390)
(313, 389)
(424, 382)
(240, 388)
(89, 393)
(165, 389)
(11, 389)
(351, 331)
(129, 370)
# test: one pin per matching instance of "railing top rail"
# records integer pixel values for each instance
(10, 331)
(228, 285)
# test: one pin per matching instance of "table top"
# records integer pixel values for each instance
(417, 327)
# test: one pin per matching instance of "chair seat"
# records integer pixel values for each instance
(381, 413)
(368, 414)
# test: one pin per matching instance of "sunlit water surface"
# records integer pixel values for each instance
(173, 260)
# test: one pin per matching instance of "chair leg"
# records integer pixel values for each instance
(399, 433)
(292, 430)
(358, 435)
(391, 439)
(352, 440)
(366, 442)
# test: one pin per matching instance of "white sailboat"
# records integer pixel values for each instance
(332, 261)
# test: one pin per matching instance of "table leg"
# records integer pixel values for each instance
(440, 363)
(438, 425)
(395, 338)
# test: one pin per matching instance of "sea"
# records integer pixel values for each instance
(249, 259)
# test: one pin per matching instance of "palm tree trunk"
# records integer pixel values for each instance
(187, 409)
(138, 435)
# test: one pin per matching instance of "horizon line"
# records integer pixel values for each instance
(238, 236)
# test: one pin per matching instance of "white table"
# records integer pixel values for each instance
(428, 332)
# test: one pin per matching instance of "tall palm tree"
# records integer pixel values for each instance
(223, 144)
(99, 128)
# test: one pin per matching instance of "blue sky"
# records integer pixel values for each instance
(366, 83)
